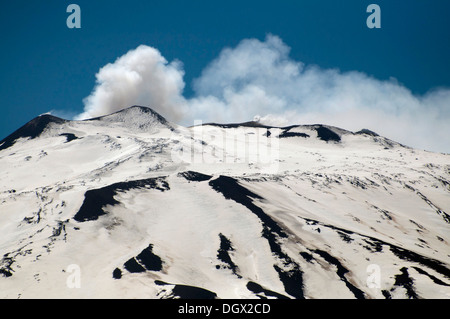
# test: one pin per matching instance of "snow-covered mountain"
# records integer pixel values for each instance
(130, 205)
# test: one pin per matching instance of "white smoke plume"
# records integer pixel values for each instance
(258, 78)
(140, 77)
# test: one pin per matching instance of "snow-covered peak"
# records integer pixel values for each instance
(139, 118)
(32, 129)
(219, 210)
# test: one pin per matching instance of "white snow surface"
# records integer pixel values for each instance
(303, 218)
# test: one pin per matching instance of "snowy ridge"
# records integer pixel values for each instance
(148, 209)
(31, 130)
(134, 118)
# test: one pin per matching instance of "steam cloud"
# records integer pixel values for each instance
(258, 79)
(140, 77)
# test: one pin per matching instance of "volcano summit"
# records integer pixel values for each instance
(146, 208)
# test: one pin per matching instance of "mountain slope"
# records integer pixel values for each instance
(31, 130)
(148, 209)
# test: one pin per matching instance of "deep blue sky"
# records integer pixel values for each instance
(44, 65)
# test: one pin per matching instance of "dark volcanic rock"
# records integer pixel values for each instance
(188, 292)
(292, 134)
(96, 199)
(341, 271)
(146, 260)
(403, 280)
(32, 129)
(368, 132)
(263, 293)
(194, 176)
(133, 266)
(69, 137)
(224, 256)
(149, 260)
(292, 279)
(236, 125)
(325, 134)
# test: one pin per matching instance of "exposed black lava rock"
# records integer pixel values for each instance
(435, 279)
(133, 266)
(341, 271)
(367, 132)
(236, 125)
(149, 260)
(292, 279)
(325, 134)
(406, 282)
(32, 129)
(263, 293)
(69, 137)
(292, 134)
(224, 256)
(231, 189)
(187, 292)
(194, 176)
(376, 245)
(145, 260)
(117, 273)
(96, 199)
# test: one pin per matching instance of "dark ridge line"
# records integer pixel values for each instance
(440, 212)
(6, 270)
(357, 183)
(224, 256)
(445, 183)
(374, 246)
(325, 134)
(386, 294)
(69, 137)
(236, 125)
(231, 189)
(307, 256)
(144, 109)
(412, 256)
(96, 199)
(367, 132)
(285, 128)
(286, 134)
(32, 129)
(145, 260)
(435, 280)
(341, 271)
(292, 279)
(403, 280)
(149, 260)
(188, 292)
(194, 176)
(258, 289)
(401, 253)
(345, 237)
(133, 266)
